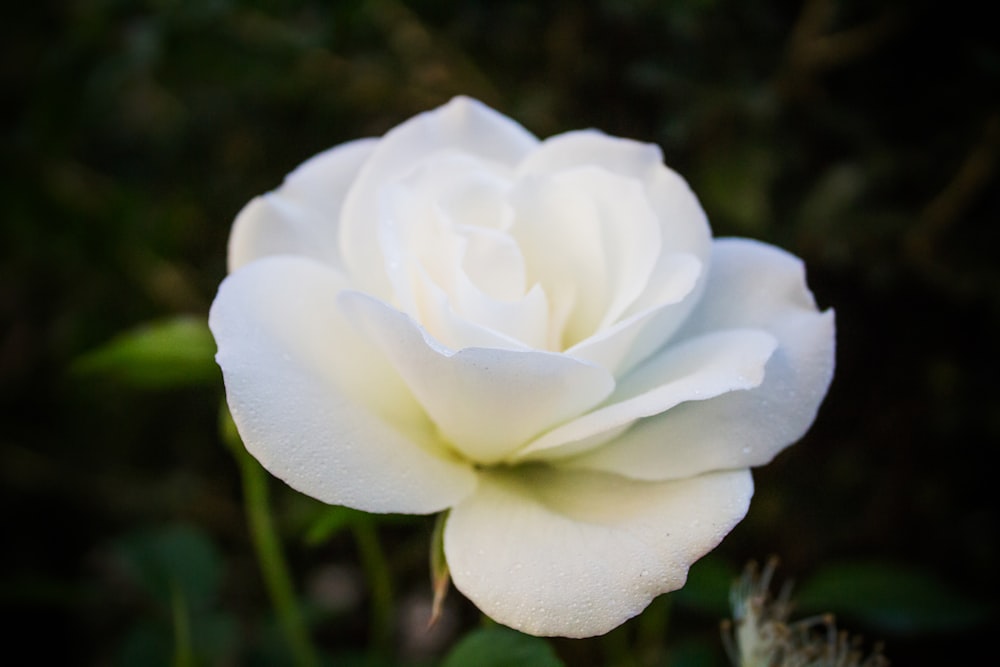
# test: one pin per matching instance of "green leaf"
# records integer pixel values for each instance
(501, 647)
(167, 353)
(889, 598)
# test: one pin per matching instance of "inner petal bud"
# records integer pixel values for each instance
(463, 280)
(591, 240)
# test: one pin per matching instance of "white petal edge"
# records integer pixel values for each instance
(753, 284)
(750, 284)
(560, 553)
(322, 181)
(486, 402)
(302, 216)
(463, 125)
(316, 404)
(695, 370)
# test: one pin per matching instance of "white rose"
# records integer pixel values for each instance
(539, 336)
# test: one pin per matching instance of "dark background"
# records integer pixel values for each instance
(862, 136)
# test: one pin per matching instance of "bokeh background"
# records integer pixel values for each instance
(863, 136)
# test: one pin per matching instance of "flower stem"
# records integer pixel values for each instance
(379, 582)
(268, 547)
(183, 656)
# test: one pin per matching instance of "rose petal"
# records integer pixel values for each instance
(426, 255)
(275, 225)
(558, 229)
(615, 348)
(463, 124)
(466, 188)
(555, 552)
(316, 404)
(695, 370)
(589, 238)
(524, 320)
(629, 233)
(302, 216)
(322, 181)
(493, 264)
(675, 288)
(423, 263)
(683, 226)
(438, 316)
(485, 401)
(752, 284)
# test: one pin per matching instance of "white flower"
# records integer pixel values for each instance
(539, 336)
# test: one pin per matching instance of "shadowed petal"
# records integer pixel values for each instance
(316, 403)
(752, 284)
(629, 340)
(577, 553)
(698, 369)
(485, 401)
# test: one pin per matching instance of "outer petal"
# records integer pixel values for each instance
(463, 125)
(302, 216)
(485, 401)
(316, 404)
(752, 284)
(698, 369)
(555, 552)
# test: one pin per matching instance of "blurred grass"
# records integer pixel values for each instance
(862, 136)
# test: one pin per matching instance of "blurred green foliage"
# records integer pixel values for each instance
(862, 136)
(889, 598)
(175, 352)
(177, 574)
(501, 647)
